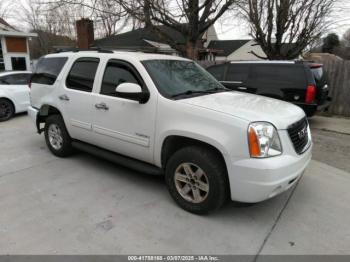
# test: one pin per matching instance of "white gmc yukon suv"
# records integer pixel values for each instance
(166, 115)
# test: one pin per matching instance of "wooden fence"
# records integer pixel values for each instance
(338, 72)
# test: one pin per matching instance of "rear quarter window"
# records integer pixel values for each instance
(282, 75)
(48, 69)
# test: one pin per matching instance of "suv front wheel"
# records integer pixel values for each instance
(57, 137)
(197, 180)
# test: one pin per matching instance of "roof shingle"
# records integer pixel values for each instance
(227, 46)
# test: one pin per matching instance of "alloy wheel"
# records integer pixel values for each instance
(55, 136)
(5, 110)
(191, 182)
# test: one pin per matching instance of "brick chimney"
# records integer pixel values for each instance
(85, 33)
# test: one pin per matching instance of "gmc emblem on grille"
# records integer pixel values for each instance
(302, 133)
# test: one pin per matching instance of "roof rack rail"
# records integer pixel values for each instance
(75, 50)
(142, 49)
(98, 49)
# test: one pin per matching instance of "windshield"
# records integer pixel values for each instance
(176, 78)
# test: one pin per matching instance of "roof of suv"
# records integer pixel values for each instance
(119, 54)
(265, 62)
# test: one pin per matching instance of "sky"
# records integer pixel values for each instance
(237, 29)
(226, 28)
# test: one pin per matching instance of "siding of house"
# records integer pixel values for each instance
(16, 44)
(243, 53)
(210, 35)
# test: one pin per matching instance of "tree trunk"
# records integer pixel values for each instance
(191, 50)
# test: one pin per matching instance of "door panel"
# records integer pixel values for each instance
(76, 100)
(22, 95)
(237, 78)
(121, 125)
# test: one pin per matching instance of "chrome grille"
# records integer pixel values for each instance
(298, 133)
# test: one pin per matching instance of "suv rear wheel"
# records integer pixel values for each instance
(7, 110)
(57, 137)
(197, 179)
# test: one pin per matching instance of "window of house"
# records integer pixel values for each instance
(2, 63)
(18, 63)
(82, 74)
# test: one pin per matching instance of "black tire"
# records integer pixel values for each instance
(7, 110)
(216, 176)
(64, 148)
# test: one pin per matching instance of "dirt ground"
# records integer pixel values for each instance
(332, 148)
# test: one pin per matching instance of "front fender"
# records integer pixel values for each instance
(191, 135)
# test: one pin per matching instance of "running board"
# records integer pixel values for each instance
(118, 159)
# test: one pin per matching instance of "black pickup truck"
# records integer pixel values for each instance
(299, 82)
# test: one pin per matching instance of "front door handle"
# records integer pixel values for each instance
(64, 98)
(102, 106)
(242, 88)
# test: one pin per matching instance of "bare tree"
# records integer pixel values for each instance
(54, 26)
(108, 15)
(49, 18)
(346, 38)
(5, 8)
(284, 28)
(191, 18)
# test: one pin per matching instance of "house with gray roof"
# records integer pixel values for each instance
(240, 50)
(14, 48)
(148, 39)
(229, 50)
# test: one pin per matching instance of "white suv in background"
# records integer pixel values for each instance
(14, 93)
(166, 115)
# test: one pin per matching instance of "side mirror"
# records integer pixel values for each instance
(132, 91)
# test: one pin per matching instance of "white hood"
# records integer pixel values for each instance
(250, 107)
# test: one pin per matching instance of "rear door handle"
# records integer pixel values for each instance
(242, 88)
(64, 98)
(102, 106)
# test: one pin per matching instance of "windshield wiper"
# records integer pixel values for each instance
(192, 92)
(216, 89)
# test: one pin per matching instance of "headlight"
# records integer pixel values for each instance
(263, 140)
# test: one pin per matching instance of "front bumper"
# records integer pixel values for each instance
(255, 180)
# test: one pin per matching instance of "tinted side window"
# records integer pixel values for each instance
(16, 79)
(48, 69)
(283, 75)
(116, 74)
(237, 72)
(217, 71)
(82, 74)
